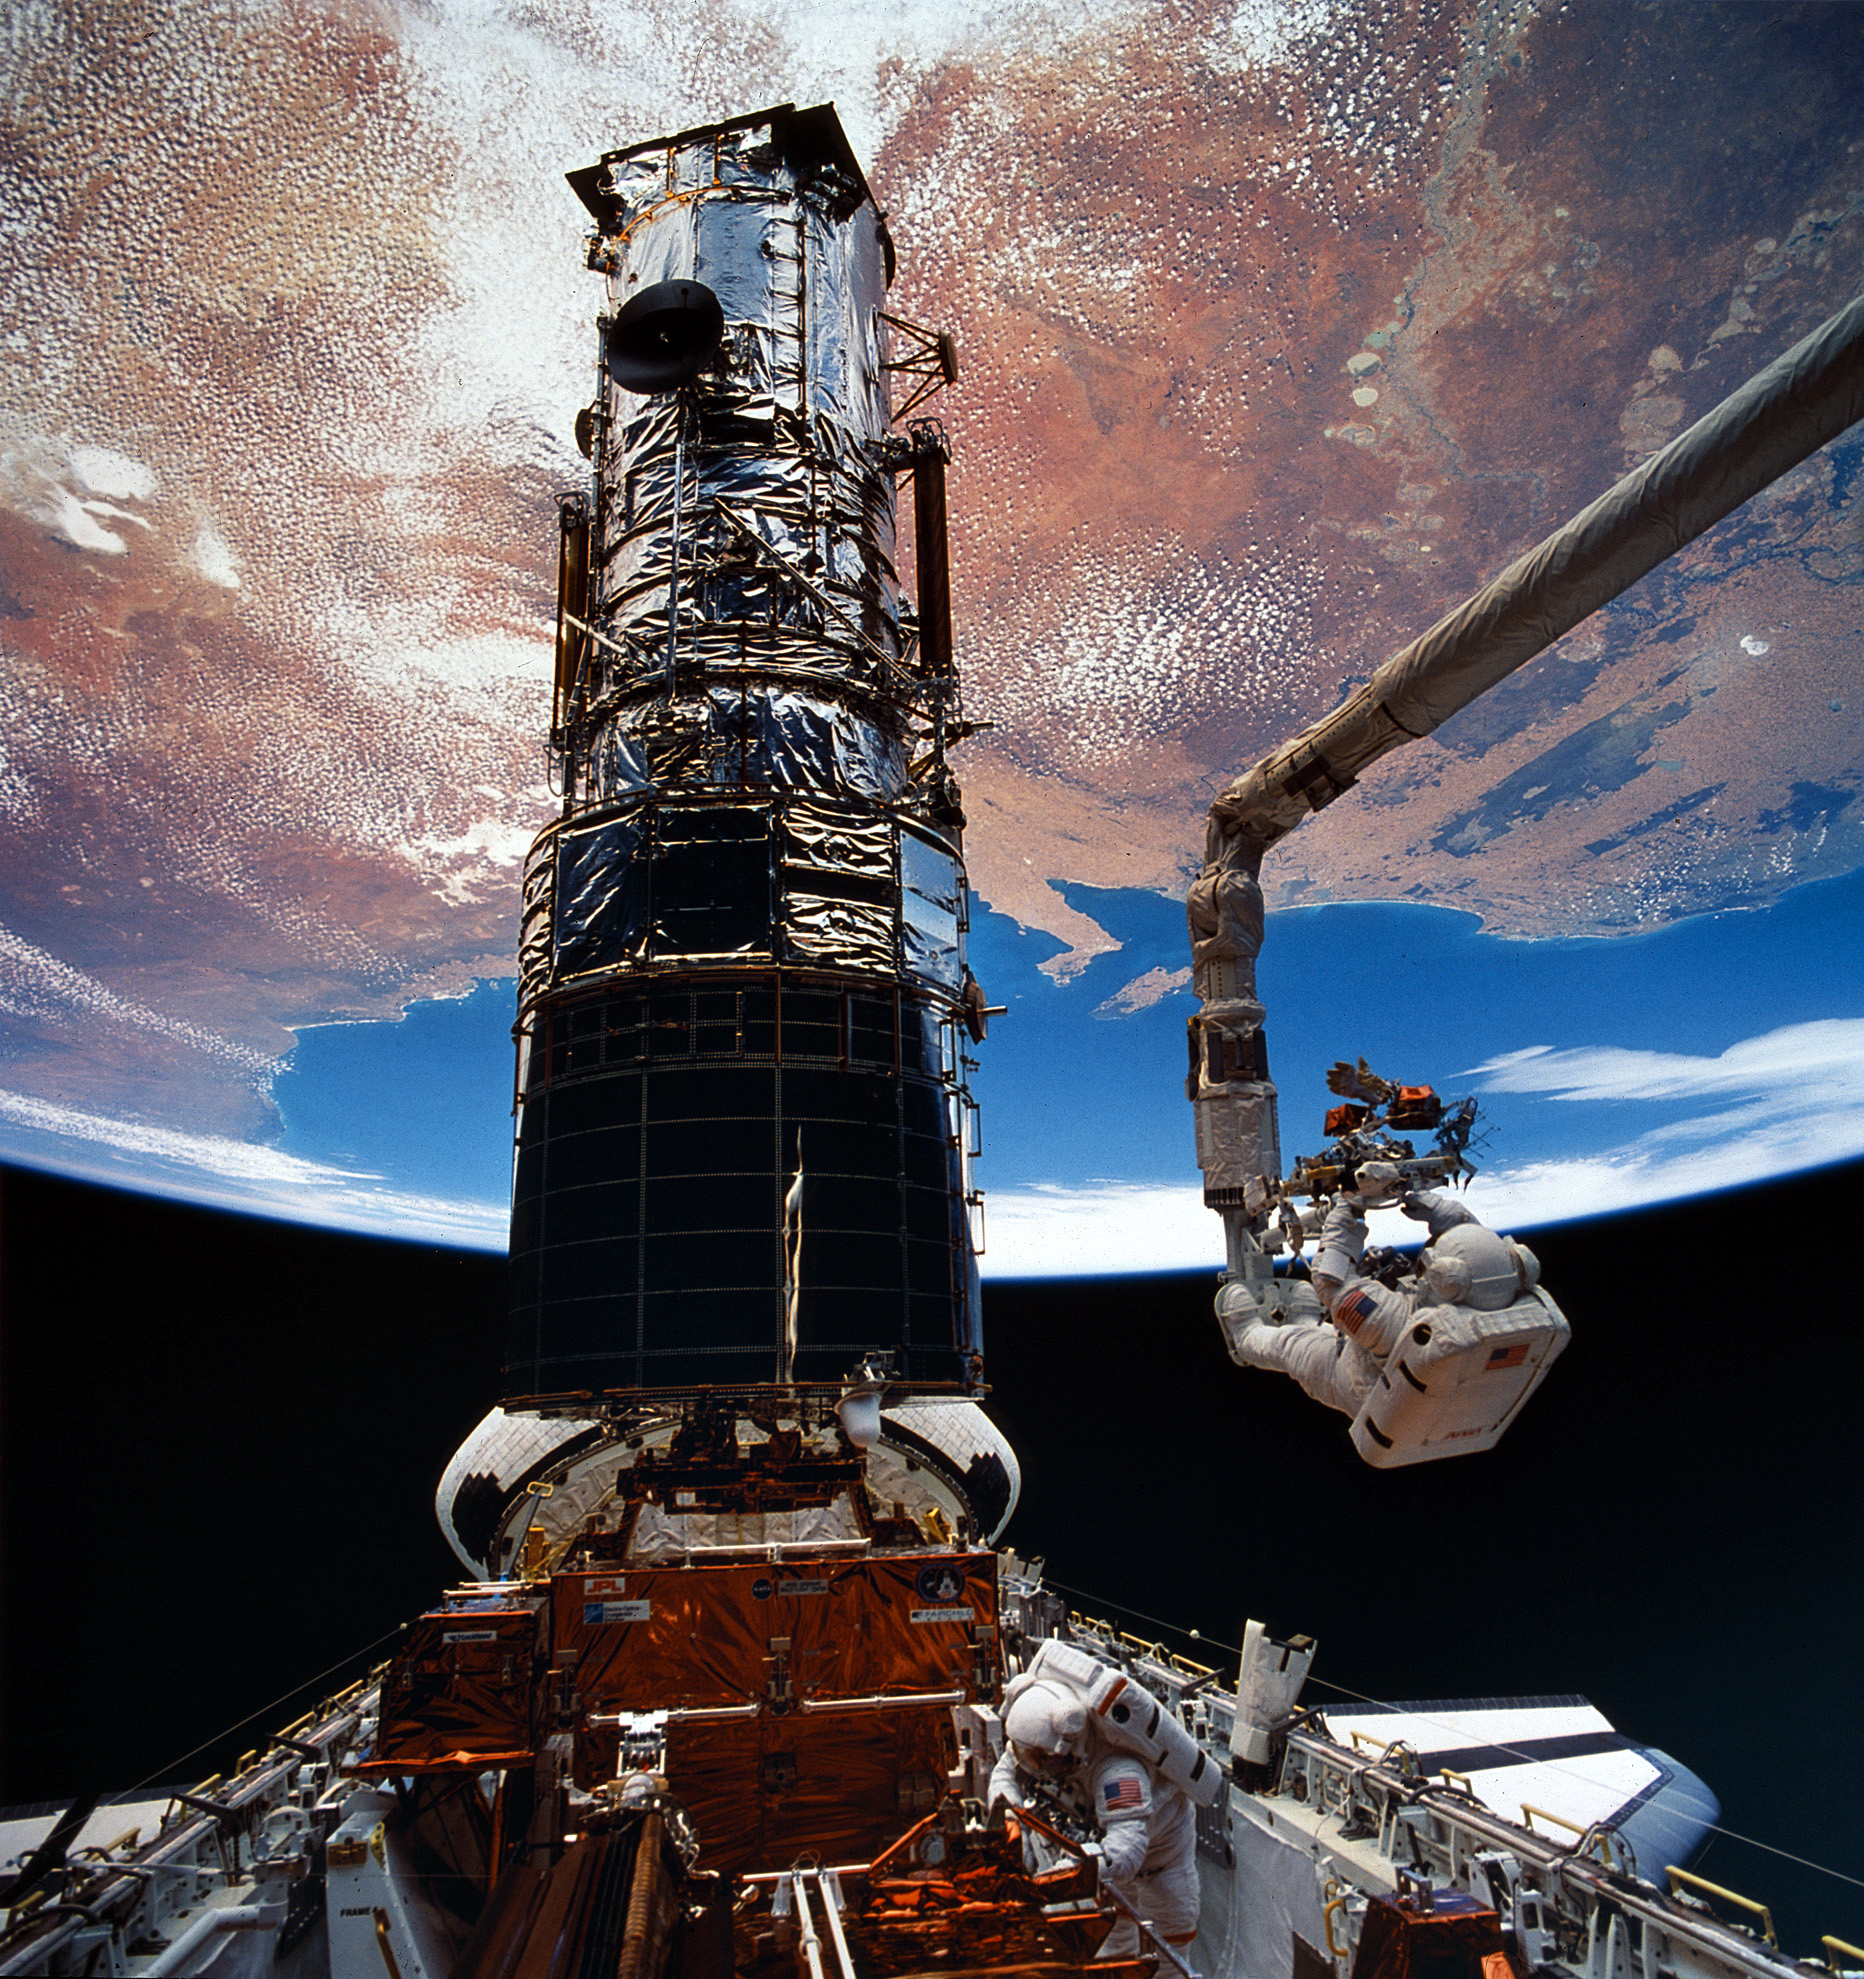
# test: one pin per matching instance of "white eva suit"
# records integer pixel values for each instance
(1338, 1363)
(1149, 1854)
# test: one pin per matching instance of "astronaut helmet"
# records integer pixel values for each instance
(1472, 1266)
(1047, 1725)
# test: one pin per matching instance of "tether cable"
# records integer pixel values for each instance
(240, 1724)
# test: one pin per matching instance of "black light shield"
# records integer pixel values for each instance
(664, 337)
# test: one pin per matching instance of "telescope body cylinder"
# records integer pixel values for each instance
(740, 1097)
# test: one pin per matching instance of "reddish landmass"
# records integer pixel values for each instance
(1269, 356)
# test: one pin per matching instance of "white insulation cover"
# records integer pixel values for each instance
(1253, 1912)
(1270, 1680)
(970, 1446)
(492, 1464)
(1560, 1756)
(489, 1467)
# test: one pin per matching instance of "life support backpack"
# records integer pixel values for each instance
(1128, 1716)
(1457, 1379)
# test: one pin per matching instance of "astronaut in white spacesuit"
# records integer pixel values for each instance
(1149, 1856)
(1336, 1349)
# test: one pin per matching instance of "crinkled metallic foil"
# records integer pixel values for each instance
(766, 736)
(663, 252)
(930, 943)
(748, 873)
(784, 427)
(930, 871)
(458, 1695)
(846, 1806)
(744, 591)
(735, 240)
(601, 895)
(839, 933)
(620, 766)
(817, 506)
(537, 918)
(838, 840)
(699, 1635)
(938, 1050)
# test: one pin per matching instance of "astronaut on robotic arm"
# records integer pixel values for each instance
(1335, 1351)
(1148, 1854)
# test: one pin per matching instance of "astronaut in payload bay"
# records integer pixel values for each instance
(1149, 1855)
(1336, 1350)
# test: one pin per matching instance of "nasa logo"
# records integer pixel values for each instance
(762, 1589)
(940, 1583)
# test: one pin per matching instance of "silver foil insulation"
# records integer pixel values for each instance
(742, 633)
(742, 1114)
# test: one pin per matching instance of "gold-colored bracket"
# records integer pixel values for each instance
(1610, 1846)
(384, 1947)
(1326, 1924)
(1708, 1889)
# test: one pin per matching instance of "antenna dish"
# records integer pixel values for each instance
(664, 337)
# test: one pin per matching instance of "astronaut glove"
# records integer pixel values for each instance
(1377, 1183)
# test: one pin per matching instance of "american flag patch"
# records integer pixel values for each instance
(1353, 1310)
(1507, 1357)
(1116, 1796)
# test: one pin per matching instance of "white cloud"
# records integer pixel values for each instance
(212, 556)
(1797, 1065)
(1112, 1229)
(1780, 1103)
(38, 986)
(77, 522)
(1101, 1228)
(1692, 1158)
(119, 477)
(36, 474)
(236, 1175)
(1271, 31)
(1776, 1104)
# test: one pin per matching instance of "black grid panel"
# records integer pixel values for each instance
(658, 1154)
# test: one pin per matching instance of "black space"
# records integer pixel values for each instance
(221, 1439)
